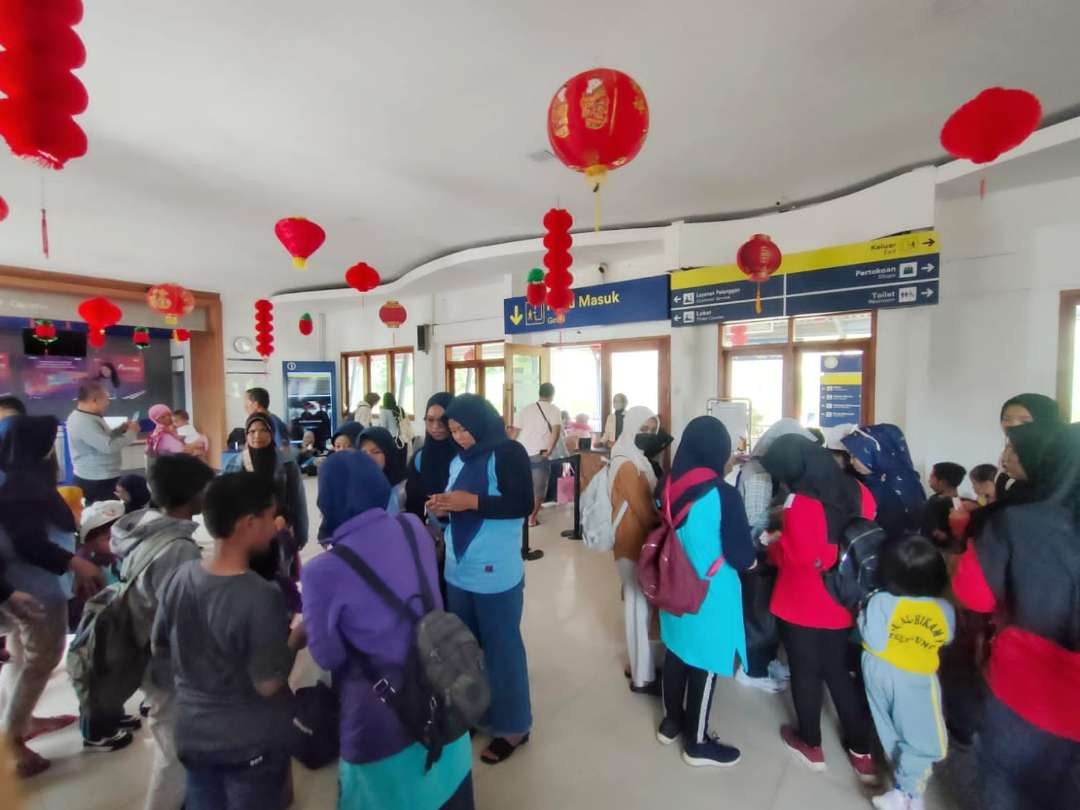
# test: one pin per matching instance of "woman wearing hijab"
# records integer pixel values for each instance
(711, 526)
(380, 766)
(813, 626)
(762, 669)
(261, 457)
(379, 444)
(879, 453)
(1021, 409)
(489, 495)
(633, 512)
(429, 469)
(347, 436)
(133, 491)
(1024, 567)
(163, 440)
(37, 538)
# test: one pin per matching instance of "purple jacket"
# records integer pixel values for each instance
(342, 614)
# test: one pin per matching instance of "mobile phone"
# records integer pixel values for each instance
(136, 416)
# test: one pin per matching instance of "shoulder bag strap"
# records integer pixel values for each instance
(426, 596)
(547, 421)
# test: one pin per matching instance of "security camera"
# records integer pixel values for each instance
(602, 268)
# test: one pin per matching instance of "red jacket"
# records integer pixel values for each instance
(802, 554)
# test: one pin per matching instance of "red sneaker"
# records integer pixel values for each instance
(863, 765)
(810, 755)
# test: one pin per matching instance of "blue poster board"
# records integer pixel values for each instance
(840, 399)
(896, 271)
(310, 381)
(643, 299)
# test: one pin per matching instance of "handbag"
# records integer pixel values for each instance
(314, 736)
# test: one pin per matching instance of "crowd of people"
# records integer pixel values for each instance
(967, 627)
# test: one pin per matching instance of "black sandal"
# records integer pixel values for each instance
(501, 749)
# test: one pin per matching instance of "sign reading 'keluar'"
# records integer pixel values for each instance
(897, 271)
(643, 299)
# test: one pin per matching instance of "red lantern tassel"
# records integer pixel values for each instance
(757, 300)
(44, 233)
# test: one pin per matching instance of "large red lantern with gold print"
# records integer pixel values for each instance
(758, 258)
(597, 122)
(171, 301)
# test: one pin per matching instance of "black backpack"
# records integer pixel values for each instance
(315, 738)
(855, 575)
(443, 690)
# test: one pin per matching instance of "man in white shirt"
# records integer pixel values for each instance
(95, 447)
(538, 427)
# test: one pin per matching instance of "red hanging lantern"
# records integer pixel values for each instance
(99, 314)
(535, 291)
(40, 50)
(558, 261)
(597, 122)
(758, 258)
(264, 327)
(306, 325)
(995, 121)
(362, 277)
(301, 237)
(171, 301)
(4, 210)
(141, 337)
(392, 314)
(739, 334)
(45, 331)
(181, 335)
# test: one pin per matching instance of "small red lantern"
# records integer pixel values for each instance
(597, 122)
(170, 300)
(739, 334)
(181, 335)
(362, 277)
(4, 210)
(141, 337)
(995, 121)
(301, 237)
(392, 314)
(45, 332)
(306, 325)
(758, 258)
(264, 327)
(99, 314)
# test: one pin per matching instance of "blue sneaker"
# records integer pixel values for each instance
(711, 753)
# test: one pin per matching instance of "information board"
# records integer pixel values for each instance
(897, 271)
(642, 299)
(840, 399)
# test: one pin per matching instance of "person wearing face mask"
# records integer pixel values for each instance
(633, 513)
(613, 425)
(261, 457)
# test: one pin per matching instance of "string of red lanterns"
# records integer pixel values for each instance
(558, 260)
(264, 327)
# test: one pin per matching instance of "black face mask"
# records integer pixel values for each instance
(651, 444)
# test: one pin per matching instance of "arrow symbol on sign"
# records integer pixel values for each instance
(929, 242)
(515, 319)
(927, 293)
(678, 319)
(677, 299)
(929, 268)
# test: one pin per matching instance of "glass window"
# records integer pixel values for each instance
(830, 388)
(462, 354)
(575, 372)
(492, 351)
(356, 368)
(380, 374)
(846, 326)
(494, 377)
(755, 333)
(465, 381)
(637, 374)
(403, 380)
(760, 379)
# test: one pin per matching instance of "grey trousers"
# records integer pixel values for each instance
(36, 647)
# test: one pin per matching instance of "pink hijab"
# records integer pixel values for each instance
(164, 440)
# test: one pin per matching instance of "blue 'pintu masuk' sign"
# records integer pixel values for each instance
(643, 299)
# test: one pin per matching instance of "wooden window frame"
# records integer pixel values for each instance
(367, 354)
(1070, 300)
(790, 350)
(479, 365)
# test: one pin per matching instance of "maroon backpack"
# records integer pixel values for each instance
(665, 573)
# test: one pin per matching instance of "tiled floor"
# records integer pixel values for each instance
(593, 745)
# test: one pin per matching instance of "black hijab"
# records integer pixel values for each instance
(395, 464)
(28, 491)
(705, 443)
(1042, 408)
(1040, 448)
(264, 460)
(808, 469)
(437, 454)
(137, 490)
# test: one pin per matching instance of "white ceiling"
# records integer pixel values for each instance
(404, 128)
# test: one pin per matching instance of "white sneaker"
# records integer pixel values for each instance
(766, 684)
(779, 671)
(896, 799)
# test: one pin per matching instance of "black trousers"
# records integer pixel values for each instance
(94, 491)
(688, 694)
(819, 658)
(762, 638)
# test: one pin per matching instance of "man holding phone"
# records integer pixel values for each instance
(95, 447)
(539, 427)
